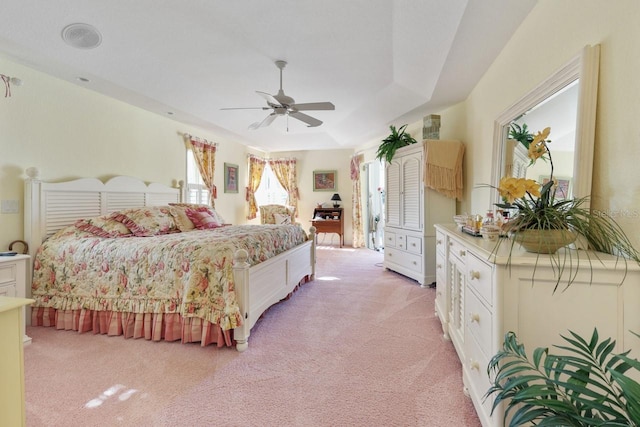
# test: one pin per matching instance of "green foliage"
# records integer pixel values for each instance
(586, 386)
(520, 133)
(398, 138)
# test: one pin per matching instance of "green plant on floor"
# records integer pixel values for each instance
(585, 386)
(397, 138)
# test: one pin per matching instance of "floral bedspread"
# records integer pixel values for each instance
(189, 273)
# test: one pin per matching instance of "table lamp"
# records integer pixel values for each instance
(336, 198)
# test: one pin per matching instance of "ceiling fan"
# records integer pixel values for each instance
(283, 105)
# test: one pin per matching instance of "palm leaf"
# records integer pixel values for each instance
(585, 386)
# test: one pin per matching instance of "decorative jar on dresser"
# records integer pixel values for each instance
(13, 281)
(411, 211)
(479, 298)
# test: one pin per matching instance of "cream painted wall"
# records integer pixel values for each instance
(552, 34)
(70, 132)
(308, 161)
(535, 53)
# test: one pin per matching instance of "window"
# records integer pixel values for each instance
(270, 191)
(197, 192)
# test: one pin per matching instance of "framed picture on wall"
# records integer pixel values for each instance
(325, 180)
(230, 178)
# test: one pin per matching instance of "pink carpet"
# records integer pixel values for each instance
(358, 346)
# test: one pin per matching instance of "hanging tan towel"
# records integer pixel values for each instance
(443, 167)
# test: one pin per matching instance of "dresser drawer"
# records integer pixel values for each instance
(414, 245)
(404, 259)
(458, 250)
(478, 381)
(8, 290)
(479, 277)
(441, 268)
(401, 241)
(479, 319)
(7, 273)
(440, 242)
(389, 239)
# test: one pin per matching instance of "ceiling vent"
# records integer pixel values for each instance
(81, 36)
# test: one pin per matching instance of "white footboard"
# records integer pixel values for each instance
(261, 286)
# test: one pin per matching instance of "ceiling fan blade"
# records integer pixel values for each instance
(271, 100)
(246, 108)
(314, 106)
(310, 121)
(266, 122)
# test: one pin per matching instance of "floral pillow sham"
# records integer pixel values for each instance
(147, 221)
(200, 207)
(103, 226)
(203, 220)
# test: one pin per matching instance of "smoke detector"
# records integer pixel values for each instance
(81, 36)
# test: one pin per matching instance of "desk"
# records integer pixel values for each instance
(329, 220)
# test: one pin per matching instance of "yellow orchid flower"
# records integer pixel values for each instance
(511, 188)
(537, 147)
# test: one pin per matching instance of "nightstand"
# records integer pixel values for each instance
(13, 281)
(329, 220)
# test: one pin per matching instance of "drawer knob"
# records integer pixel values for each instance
(474, 365)
(413, 244)
(439, 242)
(415, 263)
(474, 274)
(475, 317)
(463, 253)
(438, 265)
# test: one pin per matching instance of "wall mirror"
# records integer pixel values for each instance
(566, 102)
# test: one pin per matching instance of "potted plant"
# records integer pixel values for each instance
(398, 138)
(542, 222)
(586, 386)
(521, 134)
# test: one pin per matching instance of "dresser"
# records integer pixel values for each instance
(12, 408)
(411, 210)
(479, 298)
(13, 281)
(329, 220)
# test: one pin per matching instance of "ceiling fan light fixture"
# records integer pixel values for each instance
(284, 105)
(81, 36)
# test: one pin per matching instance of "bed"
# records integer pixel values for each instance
(116, 258)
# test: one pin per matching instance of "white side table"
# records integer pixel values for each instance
(13, 282)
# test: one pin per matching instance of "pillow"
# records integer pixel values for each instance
(199, 206)
(281, 219)
(267, 213)
(202, 220)
(182, 220)
(103, 226)
(147, 221)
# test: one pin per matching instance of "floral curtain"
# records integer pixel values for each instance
(205, 154)
(286, 172)
(256, 167)
(356, 197)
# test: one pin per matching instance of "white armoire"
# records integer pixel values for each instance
(411, 211)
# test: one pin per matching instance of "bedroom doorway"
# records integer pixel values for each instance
(374, 200)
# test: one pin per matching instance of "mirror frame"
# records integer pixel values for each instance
(585, 67)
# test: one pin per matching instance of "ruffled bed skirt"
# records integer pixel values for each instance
(150, 326)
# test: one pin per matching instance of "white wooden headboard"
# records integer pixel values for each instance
(49, 207)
